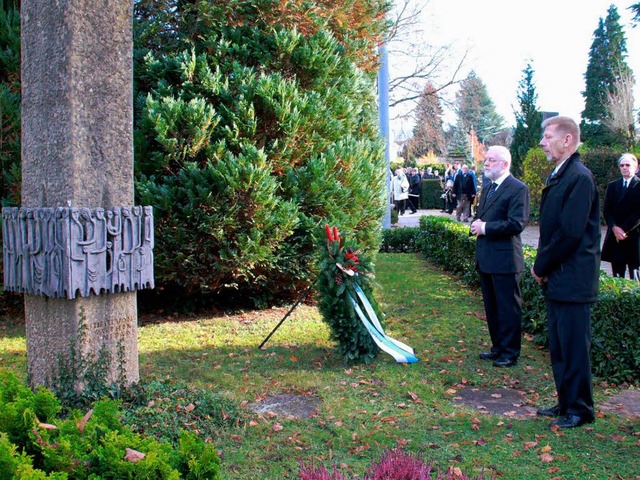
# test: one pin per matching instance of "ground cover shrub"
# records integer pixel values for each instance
(35, 442)
(615, 352)
(163, 409)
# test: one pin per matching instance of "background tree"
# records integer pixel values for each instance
(475, 111)
(619, 109)
(416, 63)
(256, 124)
(428, 135)
(635, 9)
(606, 66)
(528, 129)
(10, 178)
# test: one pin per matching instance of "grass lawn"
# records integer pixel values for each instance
(367, 409)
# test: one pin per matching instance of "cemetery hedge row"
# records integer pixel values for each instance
(615, 352)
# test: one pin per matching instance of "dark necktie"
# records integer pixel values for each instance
(553, 174)
(624, 183)
(492, 190)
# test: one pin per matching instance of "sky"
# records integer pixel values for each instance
(502, 35)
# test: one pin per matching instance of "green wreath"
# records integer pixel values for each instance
(342, 267)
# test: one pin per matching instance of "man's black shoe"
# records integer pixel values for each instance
(571, 421)
(505, 362)
(488, 355)
(549, 412)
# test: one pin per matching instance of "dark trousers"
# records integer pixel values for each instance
(620, 269)
(569, 343)
(413, 203)
(503, 307)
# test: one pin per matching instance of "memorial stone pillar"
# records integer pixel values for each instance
(77, 151)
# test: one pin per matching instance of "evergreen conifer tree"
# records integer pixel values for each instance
(607, 64)
(254, 128)
(528, 130)
(476, 111)
(10, 176)
(428, 135)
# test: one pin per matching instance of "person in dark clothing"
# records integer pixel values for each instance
(503, 211)
(464, 191)
(622, 213)
(567, 267)
(415, 189)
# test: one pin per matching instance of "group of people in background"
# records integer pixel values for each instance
(567, 262)
(406, 187)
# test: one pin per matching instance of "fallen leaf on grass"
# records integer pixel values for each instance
(530, 444)
(277, 427)
(415, 398)
(546, 458)
(545, 449)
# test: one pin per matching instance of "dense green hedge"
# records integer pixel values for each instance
(430, 194)
(615, 352)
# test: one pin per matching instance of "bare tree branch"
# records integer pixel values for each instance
(619, 107)
(415, 61)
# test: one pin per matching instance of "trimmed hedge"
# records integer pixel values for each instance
(615, 351)
(430, 194)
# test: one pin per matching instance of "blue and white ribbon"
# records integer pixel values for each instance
(399, 351)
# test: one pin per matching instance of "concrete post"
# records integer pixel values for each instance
(77, 151)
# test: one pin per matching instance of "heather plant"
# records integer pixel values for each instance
(393, 465)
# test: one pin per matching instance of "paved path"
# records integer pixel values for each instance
(529, 235)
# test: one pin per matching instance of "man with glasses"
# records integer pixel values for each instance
(622, 213)
(502, 214)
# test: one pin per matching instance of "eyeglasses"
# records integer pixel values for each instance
(625, 165)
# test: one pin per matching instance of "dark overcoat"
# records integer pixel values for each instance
(622, 208)
(569, 245)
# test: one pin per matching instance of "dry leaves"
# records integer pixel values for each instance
(133, 456)
(83, 423)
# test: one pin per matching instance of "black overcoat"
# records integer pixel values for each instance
(569, 245)
(622, 208)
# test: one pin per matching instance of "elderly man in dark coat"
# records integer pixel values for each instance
(567, 266)
(622, 214)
